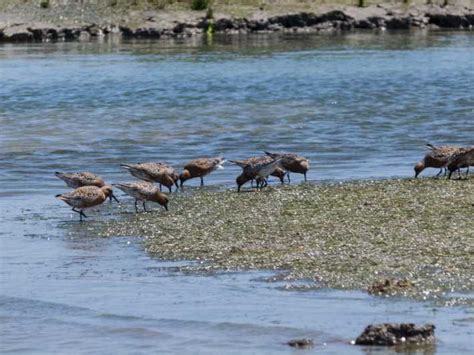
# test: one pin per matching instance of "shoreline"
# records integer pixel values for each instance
(350, 235)
(16, 26)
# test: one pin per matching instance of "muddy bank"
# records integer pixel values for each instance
(59, 24)
(346, 235)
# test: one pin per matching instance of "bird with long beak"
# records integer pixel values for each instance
(144, 191)
(437, 157)
(243, 178)
(75, 180)
(200, 168)
(463, 159)
(258, 171)
(154, 172)
(291, 162)
(85, 197)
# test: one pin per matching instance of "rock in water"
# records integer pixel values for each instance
(390, 334)
(301, 343)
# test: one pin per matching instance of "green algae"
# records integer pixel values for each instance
(345, 235)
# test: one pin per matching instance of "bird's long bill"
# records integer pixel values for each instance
(112, 196)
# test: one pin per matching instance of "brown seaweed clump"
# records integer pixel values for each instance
(303, 343)
(391, 334)
(390, 287)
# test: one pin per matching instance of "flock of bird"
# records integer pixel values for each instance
(90, 190)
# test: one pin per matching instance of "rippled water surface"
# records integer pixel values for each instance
(360, 105)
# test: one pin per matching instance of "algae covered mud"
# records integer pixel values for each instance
(360, 106)
(338, 235)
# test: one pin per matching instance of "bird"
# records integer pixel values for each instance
(279, 172)
(291, 162)
(75, 180)
(436, 157)
(144, 191)
(85, 197)
(200, 168)
(256, 170)
(463, 159)
(154, 172)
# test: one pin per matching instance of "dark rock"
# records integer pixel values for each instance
(44, 34)
(258, 25)
(335, 15)
(470, 19)
(301, 343)
(126, 32)
(390, 334)
(17, 33)
(94, 30)
(224, 24)
(449, 20)
(179, 28)
(364, 24)
(377, 21)
(399, 23)
(148, 33)
(69, 33)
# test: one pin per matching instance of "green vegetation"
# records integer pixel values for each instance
(338, 235)
(199, 5)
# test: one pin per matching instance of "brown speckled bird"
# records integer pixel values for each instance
(248, 176)
(258, 170)
(437, 157)
(154, 172)
(144, 191)
(291, 162)
(85, 197)
(200, 168)
(75, 180)
(463, 159)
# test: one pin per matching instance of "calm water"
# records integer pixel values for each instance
(358, 105)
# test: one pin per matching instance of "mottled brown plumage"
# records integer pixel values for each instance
(462, 159)
(292, 163)
(200, 168)
(75, 180)
(144, 191)
(437, 157)
(154, 172)
(256, 169)
(85, 197)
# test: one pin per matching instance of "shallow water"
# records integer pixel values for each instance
(360, 105)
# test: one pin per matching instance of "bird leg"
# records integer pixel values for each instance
(161, 188)
(305, 177)
(81, 213)
(136, 206)
(202, 181)
(439, 173)
(144, 207)
(288, 174)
